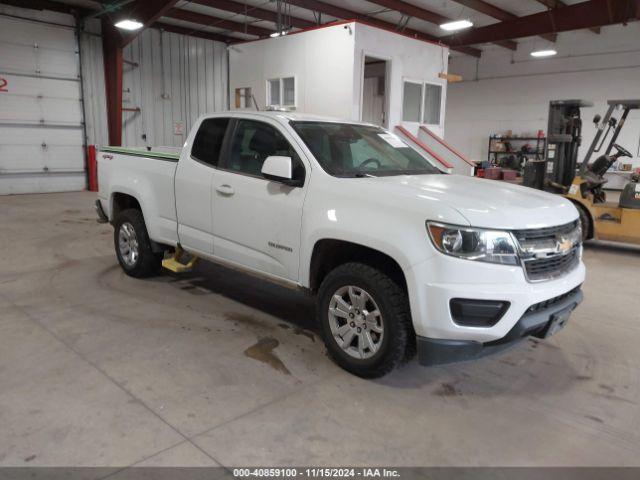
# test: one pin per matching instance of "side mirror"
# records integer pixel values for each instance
(279, 169)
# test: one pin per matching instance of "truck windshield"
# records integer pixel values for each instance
(348, 150)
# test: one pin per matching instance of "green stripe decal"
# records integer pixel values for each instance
(140, 153)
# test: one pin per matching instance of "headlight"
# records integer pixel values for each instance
(492, 246)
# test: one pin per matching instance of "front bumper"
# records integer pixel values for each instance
(533, 323)
(433, 283)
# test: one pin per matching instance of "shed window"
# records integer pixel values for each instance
(411, 102)
(281, 92)
(274, 92)
(432, 102)
(288, 91)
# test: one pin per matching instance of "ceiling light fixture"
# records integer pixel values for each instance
(543, 53)
(456, 25)
(129, 24)
(279, 34)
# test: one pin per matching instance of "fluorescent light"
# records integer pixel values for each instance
(129, 24)
(543, 53)
(279, 34)
(456, 25)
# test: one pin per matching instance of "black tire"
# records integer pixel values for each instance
(148, 262)
(398, 339)
(585, 223)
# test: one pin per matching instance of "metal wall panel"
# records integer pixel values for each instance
(172, 79)
(95, 99)
(41, 121)
(177, 78)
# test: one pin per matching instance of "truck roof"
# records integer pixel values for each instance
(284, 116)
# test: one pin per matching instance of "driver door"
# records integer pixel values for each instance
(257, 222)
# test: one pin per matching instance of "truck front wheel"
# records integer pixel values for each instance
(133, 247)
(365, 320)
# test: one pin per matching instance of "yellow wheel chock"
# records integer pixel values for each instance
(175, 262)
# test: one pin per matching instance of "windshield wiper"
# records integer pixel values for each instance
(363, 175)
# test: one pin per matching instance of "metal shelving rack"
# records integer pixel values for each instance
(494, 154)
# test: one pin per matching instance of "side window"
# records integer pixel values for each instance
(432, 100)
(281, 92)
(411, 100)
(253, 142)
(208, 140)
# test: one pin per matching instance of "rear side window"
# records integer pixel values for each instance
(208, 141)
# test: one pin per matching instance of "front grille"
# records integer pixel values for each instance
(552, 267)
(544, 253)
(552, 301)
(548, 233)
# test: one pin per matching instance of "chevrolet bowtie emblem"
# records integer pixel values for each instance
(564, 244)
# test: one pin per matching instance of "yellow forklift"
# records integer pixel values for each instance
(601, 219)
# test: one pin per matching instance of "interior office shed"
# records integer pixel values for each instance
(509, 128)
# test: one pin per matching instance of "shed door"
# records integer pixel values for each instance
(41, 134)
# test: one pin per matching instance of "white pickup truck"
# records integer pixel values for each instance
(402, 257)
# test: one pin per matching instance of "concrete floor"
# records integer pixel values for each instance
(218, 368)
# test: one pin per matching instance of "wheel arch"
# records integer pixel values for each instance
(581, 207)
(328, 253)
(121, 201)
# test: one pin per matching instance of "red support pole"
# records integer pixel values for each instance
(92, 168)
(112, 52)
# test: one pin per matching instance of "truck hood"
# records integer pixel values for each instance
(484, 203)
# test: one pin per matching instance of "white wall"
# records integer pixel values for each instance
(321, 60)
(410, 59)
(501, 92)
(328, 64)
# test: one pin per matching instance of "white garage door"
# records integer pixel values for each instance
(41, 124)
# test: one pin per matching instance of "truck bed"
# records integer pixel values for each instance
(146, 175)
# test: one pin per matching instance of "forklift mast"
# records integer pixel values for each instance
(564, 135)
(611, 124)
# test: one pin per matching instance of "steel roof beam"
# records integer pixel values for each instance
(560, 4)
(346, 14)
(593, 13)
(255, 12)
(497, 13)
(210, 20)
(427, 15)
(218, 37)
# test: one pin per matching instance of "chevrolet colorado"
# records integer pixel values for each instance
(402, 257)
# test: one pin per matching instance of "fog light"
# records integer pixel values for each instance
(477, 313)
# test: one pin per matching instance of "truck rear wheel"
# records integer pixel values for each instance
(365, 320)
(133, 247)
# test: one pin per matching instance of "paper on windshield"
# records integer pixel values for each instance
(392, 140)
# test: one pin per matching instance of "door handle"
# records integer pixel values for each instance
(225, 190)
